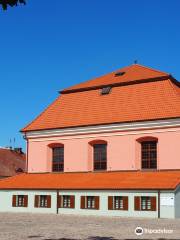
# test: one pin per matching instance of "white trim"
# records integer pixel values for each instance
(104, 128)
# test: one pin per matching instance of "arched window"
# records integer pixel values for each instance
(148, 152)
(99, 154)
(57, 157)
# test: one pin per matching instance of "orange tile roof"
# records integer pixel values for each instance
(143, 94)
(11, 161)
(105, 180)
(134, 72)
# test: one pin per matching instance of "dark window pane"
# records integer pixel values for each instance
(149, 155)
(58, 159)
(43, 201)
(145, 203)
(100, 156)
(20, 200)
(90, 202)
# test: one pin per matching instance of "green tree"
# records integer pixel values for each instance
(11, 3)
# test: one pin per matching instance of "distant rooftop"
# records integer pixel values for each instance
(12, 161)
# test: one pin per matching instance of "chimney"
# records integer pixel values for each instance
(18, 150)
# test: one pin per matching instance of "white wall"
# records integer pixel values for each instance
(167, 204)
(165, 210)
(6, 201)
(103, 204)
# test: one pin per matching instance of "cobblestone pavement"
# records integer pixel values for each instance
(66, 227)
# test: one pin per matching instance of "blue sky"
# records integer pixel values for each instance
(45, 48)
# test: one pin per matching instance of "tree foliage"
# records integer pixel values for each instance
(11, 3)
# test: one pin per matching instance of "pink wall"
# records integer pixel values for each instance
(123, 151)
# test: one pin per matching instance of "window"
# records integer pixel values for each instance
(105, 90)
(149, 155)
(118, 74)
(145, 203)
(19, 200)
(66, 201)
(100, 156)
(90, 202)
(42, 201)
(58, 159)
(118, 203)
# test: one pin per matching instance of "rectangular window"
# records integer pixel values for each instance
(100, 157)
(66, 201)
(149, 155)
(117, 203)
(144, 203)
(58, 159)
(42, 201)
(90, 202)
(20, 201)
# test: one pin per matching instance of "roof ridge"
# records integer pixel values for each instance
(152, 69)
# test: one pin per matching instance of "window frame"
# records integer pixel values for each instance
(43, 203)
(57, 165)
(100, 157)
(148, 203)
(91, 200)
(39, 202)
(94, 203)
(140, 152)
(22, 197)
(121, 205)
(119, 202)
(66, 198)
(148, 161)
(16, 200)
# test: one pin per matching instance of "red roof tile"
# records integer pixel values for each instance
(106, 180)
(143, 94)
(132, 73)
(10, 162)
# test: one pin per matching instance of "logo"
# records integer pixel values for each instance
(138, 231)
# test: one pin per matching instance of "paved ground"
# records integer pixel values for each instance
(64, 227)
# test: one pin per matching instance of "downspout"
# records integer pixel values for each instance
(27, 151)
(57, 195)
(27, 162)
(158, 203)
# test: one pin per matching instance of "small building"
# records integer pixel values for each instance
(12, 162)
(108, 146)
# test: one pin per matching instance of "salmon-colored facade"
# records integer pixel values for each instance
(123, 150)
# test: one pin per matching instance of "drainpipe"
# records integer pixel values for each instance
(27, 151)
(57, 195)
(27, 158)
(158, 203)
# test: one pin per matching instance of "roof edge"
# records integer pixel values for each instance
(161, 78)
(144, 120)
